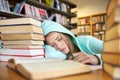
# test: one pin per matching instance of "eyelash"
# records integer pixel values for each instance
(60, 39)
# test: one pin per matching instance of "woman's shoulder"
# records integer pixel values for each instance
(86, 37)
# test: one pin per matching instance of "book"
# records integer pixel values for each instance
(5, 58)
(12, 62)
(21, 29)
(26, 10)
(18, 21)
(112, 70)
(24, 42)
(112, 5)
(20, 7)
(1, 5)
(16, 7)
(50, 3)
(22, 36)
(41, 70)
(43, 13)
(4, 5)
(112, 46)
(36, 11)
(22, 46)
(23, 52)
(113, 32)
(113, 18)
(112, 58)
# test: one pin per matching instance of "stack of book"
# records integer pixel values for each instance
(30, 11)
(111, 53)
(21, 38)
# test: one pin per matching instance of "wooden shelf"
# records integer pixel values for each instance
(14, 15)
(68, 3)
(10, 14)
(84, 33)
(83, 24)
(40, 5)
(70, 26)
(96, 23)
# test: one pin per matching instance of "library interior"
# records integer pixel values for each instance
(59, 40)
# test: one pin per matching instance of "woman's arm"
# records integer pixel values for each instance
(92, 46)
(85, 58)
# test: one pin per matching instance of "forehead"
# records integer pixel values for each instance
(52, 36)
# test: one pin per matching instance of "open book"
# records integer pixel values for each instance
(35, 69)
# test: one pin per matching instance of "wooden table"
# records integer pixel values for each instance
(8, 74)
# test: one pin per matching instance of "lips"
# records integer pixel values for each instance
(62, 50)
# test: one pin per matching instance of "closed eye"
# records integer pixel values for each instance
(60, 38)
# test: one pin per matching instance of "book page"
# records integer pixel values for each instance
(46, 70)
(26, 60)
(15, 61)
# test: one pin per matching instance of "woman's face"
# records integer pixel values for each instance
(57, 41)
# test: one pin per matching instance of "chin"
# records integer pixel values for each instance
(66, 52)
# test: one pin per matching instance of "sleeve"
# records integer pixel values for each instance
(51, 52)
(92, 45)
(95, 45)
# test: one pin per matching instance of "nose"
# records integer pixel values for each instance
(58, 45)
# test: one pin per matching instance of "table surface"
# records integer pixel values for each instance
(8, 74)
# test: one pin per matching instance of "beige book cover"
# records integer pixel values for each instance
(22, 46)
(50, 69)
(24, 42)
(22, 52)
(112, 58)
(112, 4)
(18, 21)
(112, 46)
(112, 70)
(113, 32)
(21, 29)
(22, 36)
(113, 18)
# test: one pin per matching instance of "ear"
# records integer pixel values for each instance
(51, 52)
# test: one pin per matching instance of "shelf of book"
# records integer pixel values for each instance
(40, 5)
(84, 25)
(93, 24)
(98, 25)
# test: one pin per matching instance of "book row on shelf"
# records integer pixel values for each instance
(93, 25)
(55, 10)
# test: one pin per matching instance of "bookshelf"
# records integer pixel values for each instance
(84, 25)
(98, 25)
(74, 22)
(68, 15)
(93, 25)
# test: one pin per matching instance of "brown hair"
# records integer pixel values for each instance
(73, 48)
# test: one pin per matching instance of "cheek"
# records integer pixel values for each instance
(47, 40)
(64, 43)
